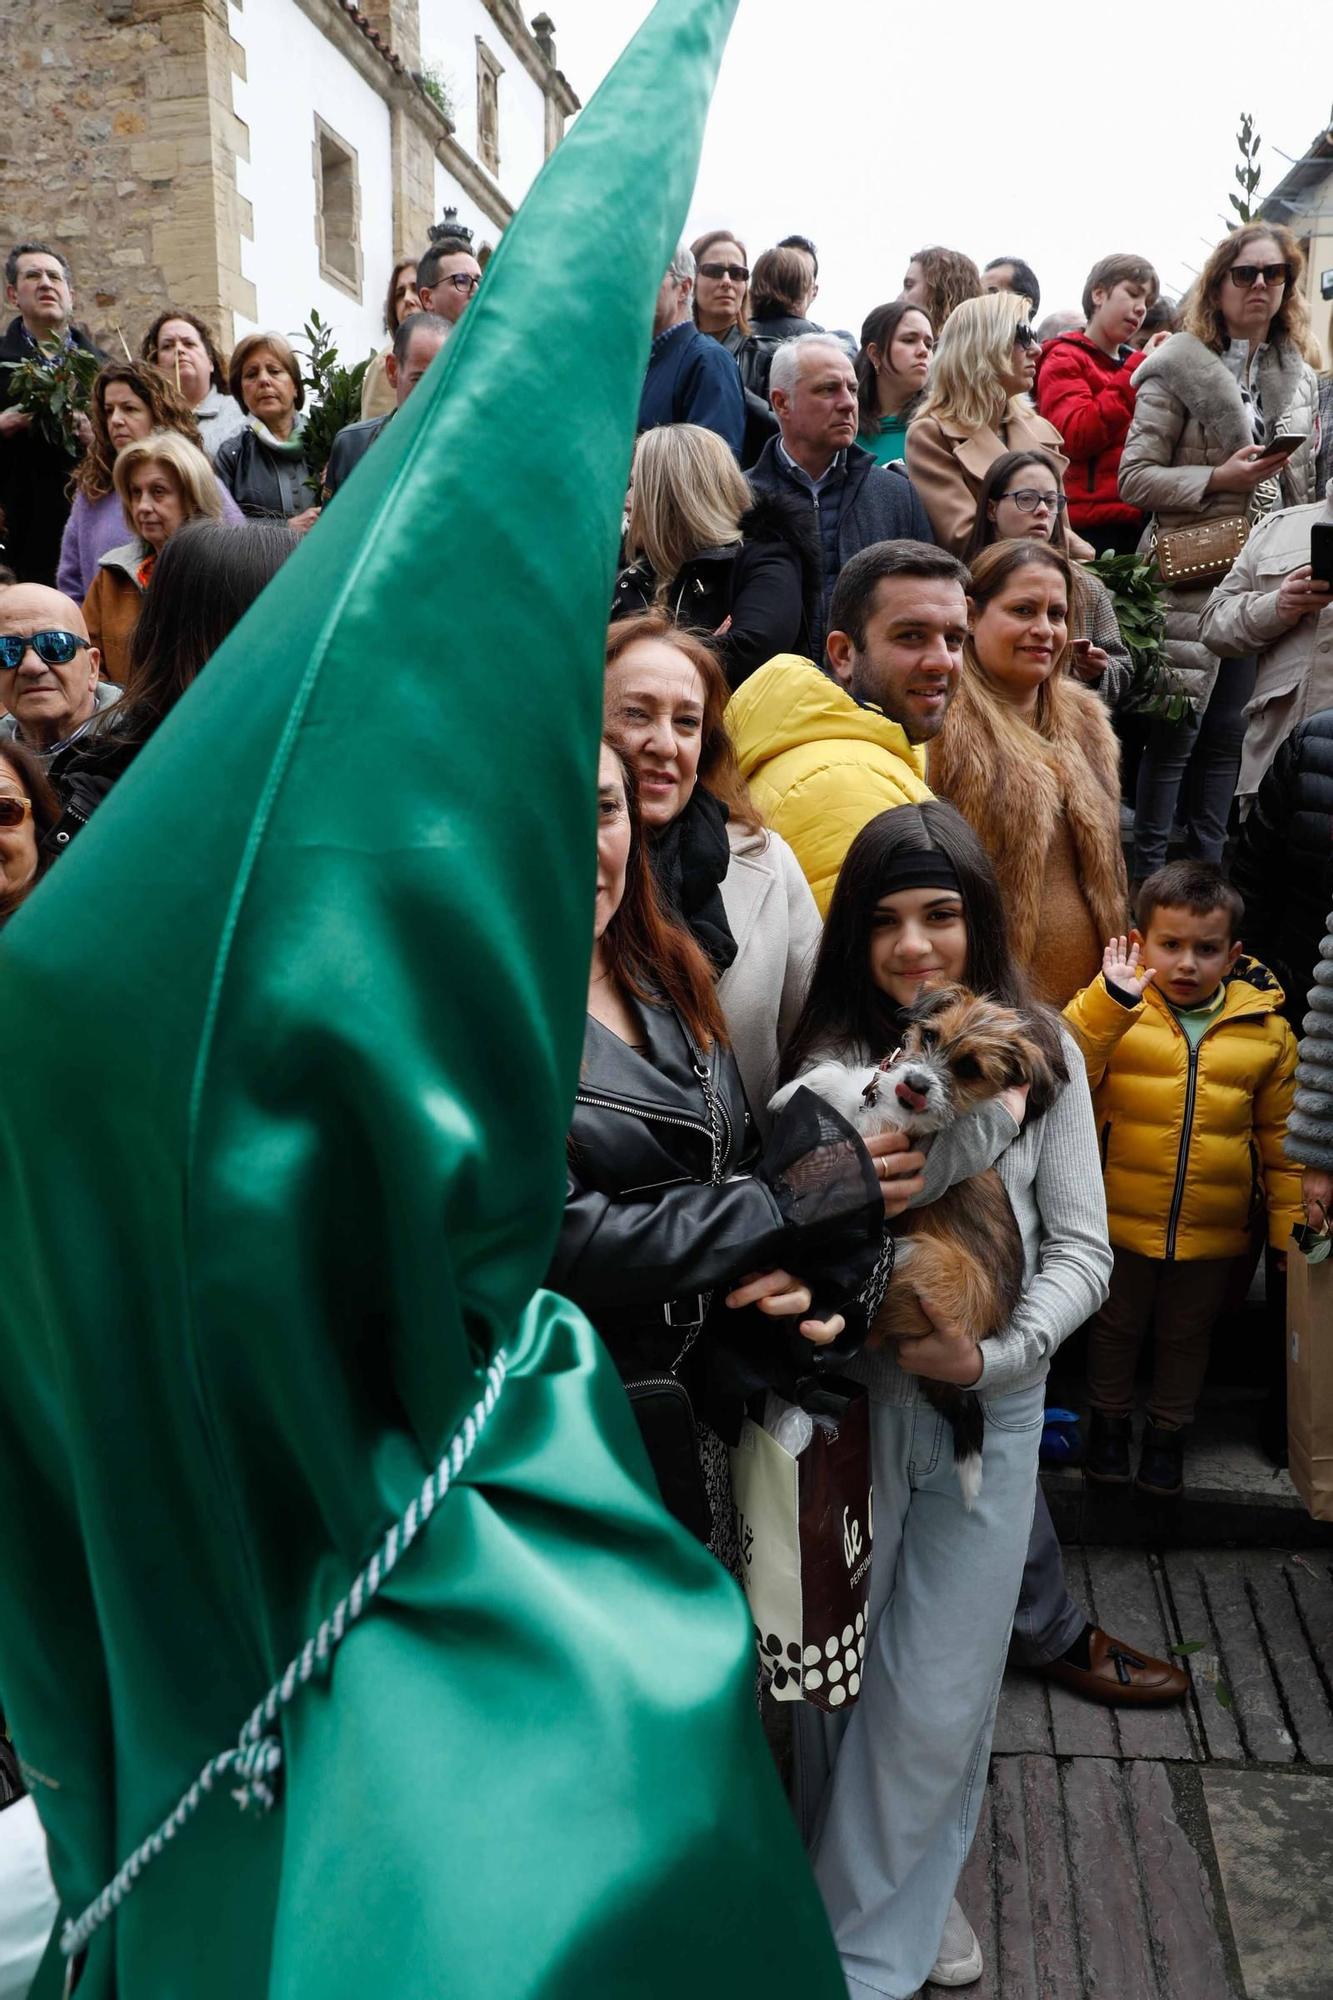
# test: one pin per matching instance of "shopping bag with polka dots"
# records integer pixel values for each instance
(801, 1479)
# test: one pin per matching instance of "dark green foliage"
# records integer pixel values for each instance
(333, 393)
(1140, 611)
(1247, 172)
(54, 392)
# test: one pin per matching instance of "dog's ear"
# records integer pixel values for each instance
(936, 1001)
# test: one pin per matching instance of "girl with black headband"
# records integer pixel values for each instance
(889, 1795)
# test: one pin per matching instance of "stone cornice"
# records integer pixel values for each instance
(549, 80)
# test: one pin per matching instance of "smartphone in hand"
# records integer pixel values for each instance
(1321, 553)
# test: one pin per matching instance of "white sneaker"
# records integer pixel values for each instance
(959, 1962)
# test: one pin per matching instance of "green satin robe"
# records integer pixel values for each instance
(291, 1038)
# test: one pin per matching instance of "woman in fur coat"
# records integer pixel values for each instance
(740, 570)
(1030, 760)
(1209, 406)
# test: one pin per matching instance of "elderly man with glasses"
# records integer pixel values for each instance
(50, 673)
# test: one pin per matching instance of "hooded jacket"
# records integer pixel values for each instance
(1089, 396)
(1283, 864)
(1191, 1139)
(111, 608)
(1189, 418)
(819, 764)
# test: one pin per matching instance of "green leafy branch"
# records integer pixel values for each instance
(1247, 172)
(53, 392)
(333, 392)
(1140, 610)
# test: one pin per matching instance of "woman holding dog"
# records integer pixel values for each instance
(1029, 758)
(889, 1796)
(670, 1230)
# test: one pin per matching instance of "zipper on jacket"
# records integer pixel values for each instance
(605, 1103)
(1106, 1142)
(1178, 1192)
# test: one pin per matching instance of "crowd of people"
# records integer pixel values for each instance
(872, 729)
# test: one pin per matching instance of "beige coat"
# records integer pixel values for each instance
(1188, 418)
(946, 463)
(776, 926)
(1295, 661)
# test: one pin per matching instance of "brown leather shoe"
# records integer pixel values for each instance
(1119, 1674)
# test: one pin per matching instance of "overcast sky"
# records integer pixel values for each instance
(876, 128)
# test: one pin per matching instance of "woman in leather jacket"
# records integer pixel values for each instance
(741, 569)
(671, 1232)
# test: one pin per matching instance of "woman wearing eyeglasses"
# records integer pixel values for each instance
(163, 481)
(1209, 405)
(1022, 498)
(976, 409)
(29, 809)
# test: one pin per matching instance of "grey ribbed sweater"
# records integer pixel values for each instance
(1310, 1126)
(1052, 1174)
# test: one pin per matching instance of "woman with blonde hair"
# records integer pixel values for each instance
(1211, 406)
(162, 481)
(721, 560)
(1029, 758)
(130, 399)
(976, 408)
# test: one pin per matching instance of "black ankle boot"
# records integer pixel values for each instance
(1107, 1457)
(1161, 1462)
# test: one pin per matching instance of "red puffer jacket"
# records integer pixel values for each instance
(1090, 400)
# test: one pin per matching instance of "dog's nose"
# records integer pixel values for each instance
(917, 1080)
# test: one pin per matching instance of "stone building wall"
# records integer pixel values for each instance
(117, 141)
(120, 144)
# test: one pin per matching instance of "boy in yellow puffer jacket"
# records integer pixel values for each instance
(1191, 1068)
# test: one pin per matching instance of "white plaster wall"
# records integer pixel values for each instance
(448, 194)
(449, 29)
(292, 73)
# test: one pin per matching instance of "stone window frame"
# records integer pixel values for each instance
(489, 71)
(331, 269)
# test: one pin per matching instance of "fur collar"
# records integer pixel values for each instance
(1202, 381)
(1013, 804)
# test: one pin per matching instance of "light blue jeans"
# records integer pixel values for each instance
(888, 1796)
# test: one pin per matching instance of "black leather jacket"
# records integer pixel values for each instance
(659, 1213)
(1283, 864)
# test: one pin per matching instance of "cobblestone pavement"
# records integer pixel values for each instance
(1173, 1854)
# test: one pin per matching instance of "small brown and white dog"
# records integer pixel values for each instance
(964, 1251)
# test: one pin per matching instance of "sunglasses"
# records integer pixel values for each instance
(1027, 500)
(14, 809)
(1246, 275)
(1024, 336)
(738, 273)
(462, 281)
(53, 649)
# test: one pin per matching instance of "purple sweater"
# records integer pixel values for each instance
(93, 527)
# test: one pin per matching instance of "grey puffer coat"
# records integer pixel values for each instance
(1188, 418)
(1310, 1124)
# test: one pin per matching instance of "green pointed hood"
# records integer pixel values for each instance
(293, 1033)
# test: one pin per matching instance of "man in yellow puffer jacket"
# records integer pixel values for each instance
(822, 756)
(1191, 1068)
